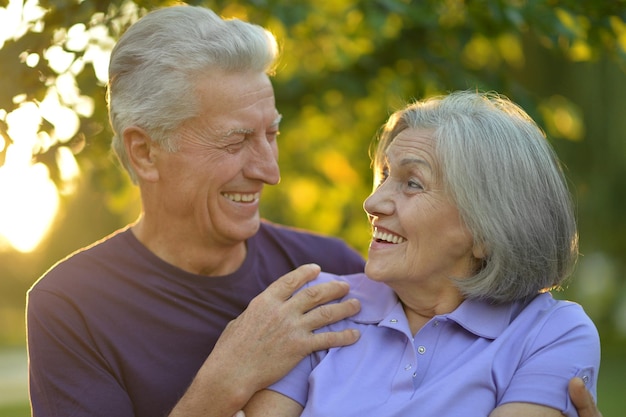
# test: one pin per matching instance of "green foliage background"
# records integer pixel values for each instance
(346, 65)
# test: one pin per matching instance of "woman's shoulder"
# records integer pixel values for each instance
(376, 298)
(545, 306)
(553, 321)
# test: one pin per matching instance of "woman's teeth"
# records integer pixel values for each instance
(387, 237)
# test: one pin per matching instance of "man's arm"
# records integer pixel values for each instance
(266, 341)
(582, 399)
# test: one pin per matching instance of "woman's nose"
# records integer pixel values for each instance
(379, 201)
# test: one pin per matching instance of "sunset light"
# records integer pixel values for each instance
(29, 198)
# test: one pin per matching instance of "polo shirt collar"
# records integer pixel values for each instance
(484, 318)
(479, 317)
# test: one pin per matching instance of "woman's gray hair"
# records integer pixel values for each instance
(155, 64)
(509, 188)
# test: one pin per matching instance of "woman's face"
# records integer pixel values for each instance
(418, 235)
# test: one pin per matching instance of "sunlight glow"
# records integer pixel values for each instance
(29, 199)
(28, 205)
(17, 17)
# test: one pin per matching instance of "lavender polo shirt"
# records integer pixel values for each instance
(465, 363)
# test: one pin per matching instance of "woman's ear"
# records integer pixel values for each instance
(141, 151)
(479, 251)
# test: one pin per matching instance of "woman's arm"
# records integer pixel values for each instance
(524, 409)
(268, 403)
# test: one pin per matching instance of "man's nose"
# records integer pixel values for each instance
(263, 163)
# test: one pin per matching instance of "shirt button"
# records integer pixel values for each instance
(408, 366)
(393, 320)
(421, 350)
(585, 378)
(414, 374)
(436, 323)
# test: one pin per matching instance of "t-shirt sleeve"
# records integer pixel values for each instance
(67, 376)
(567, 345)
(295, 384)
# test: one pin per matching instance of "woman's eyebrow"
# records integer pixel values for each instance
(415, 161)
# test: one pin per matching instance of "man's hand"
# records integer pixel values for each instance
(582, 399)
(266, 341)
(275, 332)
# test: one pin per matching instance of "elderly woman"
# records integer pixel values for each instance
(472, 225)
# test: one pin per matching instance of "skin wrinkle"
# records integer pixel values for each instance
(250, 131)
(411, 201)
(203, 170)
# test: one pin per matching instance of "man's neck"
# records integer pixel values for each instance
(189, 254)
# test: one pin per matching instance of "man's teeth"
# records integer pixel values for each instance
(237, 197)
(388, 237)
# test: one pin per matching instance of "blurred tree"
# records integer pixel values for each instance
(346, 65)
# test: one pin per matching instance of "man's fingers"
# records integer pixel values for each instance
(285, 286)
(308, 309)
(330, 313)
(320, 294)
(327, 340)
(582, 399)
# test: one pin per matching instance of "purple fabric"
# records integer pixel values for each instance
(114, 331)
(464, 363)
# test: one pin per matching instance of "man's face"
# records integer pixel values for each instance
(212, 184)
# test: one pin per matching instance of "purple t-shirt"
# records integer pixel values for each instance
(114, 331)
(465, 363)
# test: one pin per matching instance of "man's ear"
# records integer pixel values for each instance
(141, 151)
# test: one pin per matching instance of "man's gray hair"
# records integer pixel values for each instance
(154, 66)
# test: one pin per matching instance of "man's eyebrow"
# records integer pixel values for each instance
(247, 131)
(278, 119)
(237, 131)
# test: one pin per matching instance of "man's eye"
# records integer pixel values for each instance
(271, 136)
(234, 147)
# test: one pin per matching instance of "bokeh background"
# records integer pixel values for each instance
(346, 66)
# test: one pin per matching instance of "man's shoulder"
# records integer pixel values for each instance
(301, 246)
(294, 235)
(86, 260)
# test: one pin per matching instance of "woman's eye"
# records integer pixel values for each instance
(414, 184)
